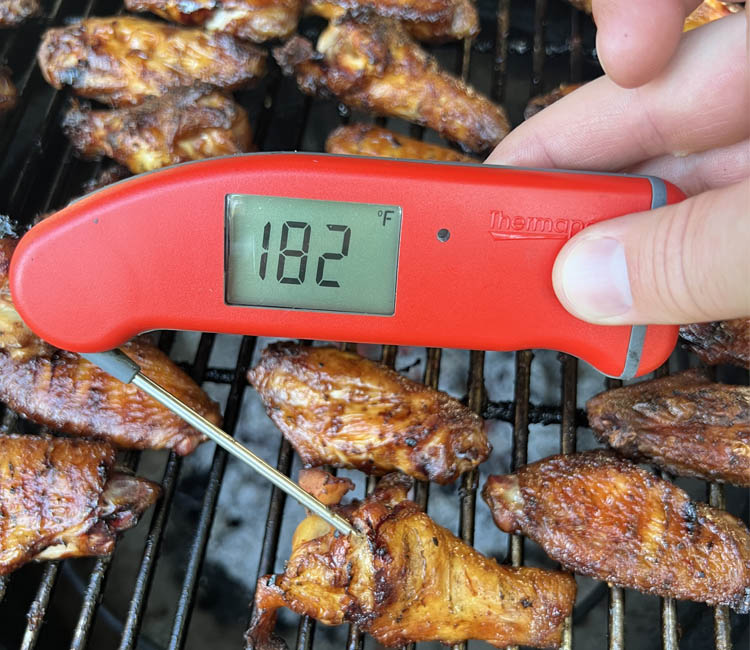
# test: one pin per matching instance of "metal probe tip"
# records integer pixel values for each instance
(122, 367)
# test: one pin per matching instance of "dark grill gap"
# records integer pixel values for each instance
(39, 173)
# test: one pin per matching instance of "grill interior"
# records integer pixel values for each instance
(184, 577)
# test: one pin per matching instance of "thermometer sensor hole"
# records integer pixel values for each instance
(443, 234)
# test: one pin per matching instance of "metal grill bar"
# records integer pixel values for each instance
(38, 608)
(722, 623)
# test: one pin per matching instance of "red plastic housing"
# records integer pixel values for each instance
(148, 253)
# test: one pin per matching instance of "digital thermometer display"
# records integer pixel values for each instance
(311, 255)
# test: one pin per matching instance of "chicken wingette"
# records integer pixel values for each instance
(62, 498)
(683, 423)
(602, 516)
(726, 341)
(253, 20)
(338, 408)
(378, 67)
(406, 579)
(14, 12)
(122, 60)
(8, 91)
(185, 124)
(369, 140)
(66, 393)
(425, 20)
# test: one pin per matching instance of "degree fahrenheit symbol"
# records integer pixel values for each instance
(385, 214)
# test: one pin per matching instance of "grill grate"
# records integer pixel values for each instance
(38, 173)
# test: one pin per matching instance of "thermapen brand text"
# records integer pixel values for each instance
(506, 226)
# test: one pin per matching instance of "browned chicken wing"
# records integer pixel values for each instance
(337, 408)
(541, 102)
(123, 60)
(106, 176)
(406, 579)
(8, 92)
(425, 20)
(253, 20)
(602, 516)
(14, 12)
(185, 124)
(61, 390)
(369, 140)
(378, 67)
(61, 498)
(725, 341)
(683, 423)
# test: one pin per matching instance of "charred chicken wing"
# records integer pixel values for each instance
(406, 579)
(253, 20)
(726, 341)
(185, 124)
(123, 60)
(61, 498)
(378, 67)
(602, 516)
(684, 424)
(368, 140)
(61, 390)
(425, 20)
(14, 12)
(8, 92)
(337, 408)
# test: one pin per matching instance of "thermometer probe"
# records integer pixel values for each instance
(327, 247)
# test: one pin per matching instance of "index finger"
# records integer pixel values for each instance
(701, 101)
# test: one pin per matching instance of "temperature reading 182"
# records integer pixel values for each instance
(291, 254)
(310, 254)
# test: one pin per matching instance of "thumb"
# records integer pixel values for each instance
(683, 263)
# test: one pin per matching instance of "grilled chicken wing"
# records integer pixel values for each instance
(368, 140)
(105, 176)
(253, 20)
(425, 20)
(683, 423)
(61, 390)
(378, 67)
(406, 579)
(185, 124)
(61, 498)
(541, 102)
(600, 515)
(14, 12)
(8, 92)
(708, 11)
(726, 341)
(337, 408)
(123, 60)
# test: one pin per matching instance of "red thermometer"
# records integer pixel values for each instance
(332, 247)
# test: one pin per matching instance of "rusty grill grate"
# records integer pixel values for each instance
(523, 48)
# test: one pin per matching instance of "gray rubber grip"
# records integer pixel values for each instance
(114, 363)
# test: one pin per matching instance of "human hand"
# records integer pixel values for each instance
(682, 112)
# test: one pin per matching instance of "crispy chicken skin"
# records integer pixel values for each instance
(541, 102)
(340, 409)
(61, 498)
(253, 20)
(602, 516)
(425, 20)
(8, 92)
(406, 579)
(14, 12)
(185, 124)
(378, 67)
(64, 392)
(683, 423)
(708, 11)
(368, 140)
(726, 341)
(123, 60)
